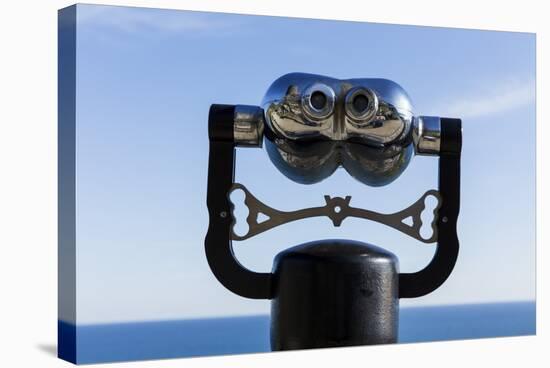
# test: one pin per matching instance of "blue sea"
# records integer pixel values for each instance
(237, 335)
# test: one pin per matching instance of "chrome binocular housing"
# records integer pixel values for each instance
(312, 124)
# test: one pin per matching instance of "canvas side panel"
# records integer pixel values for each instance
(66, 334)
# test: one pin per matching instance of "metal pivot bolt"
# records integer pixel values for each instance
(248, 126)
(427, 135)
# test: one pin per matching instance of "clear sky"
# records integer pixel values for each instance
(145, 81)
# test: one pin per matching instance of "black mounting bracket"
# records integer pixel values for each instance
(257, 285)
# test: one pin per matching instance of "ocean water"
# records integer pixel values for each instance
(237, 335)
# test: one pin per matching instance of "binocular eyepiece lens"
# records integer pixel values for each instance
(361, 104)
(318, 100)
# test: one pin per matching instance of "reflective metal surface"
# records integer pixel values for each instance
(316, 124)
(427, 135)
(248, 126)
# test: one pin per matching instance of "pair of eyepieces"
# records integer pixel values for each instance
(361, 104)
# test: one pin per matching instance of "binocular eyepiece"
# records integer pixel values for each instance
(360, 106)
(318, 101)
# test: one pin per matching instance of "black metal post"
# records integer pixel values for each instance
(332, 293)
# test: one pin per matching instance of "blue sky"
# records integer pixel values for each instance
(145, 81)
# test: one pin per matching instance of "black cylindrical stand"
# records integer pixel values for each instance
(332, 293)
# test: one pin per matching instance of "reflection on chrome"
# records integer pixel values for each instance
(248, 126)
(427, 135)
(314, 161)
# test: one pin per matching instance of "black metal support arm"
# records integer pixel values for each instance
(412, 285)
(221, 172)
